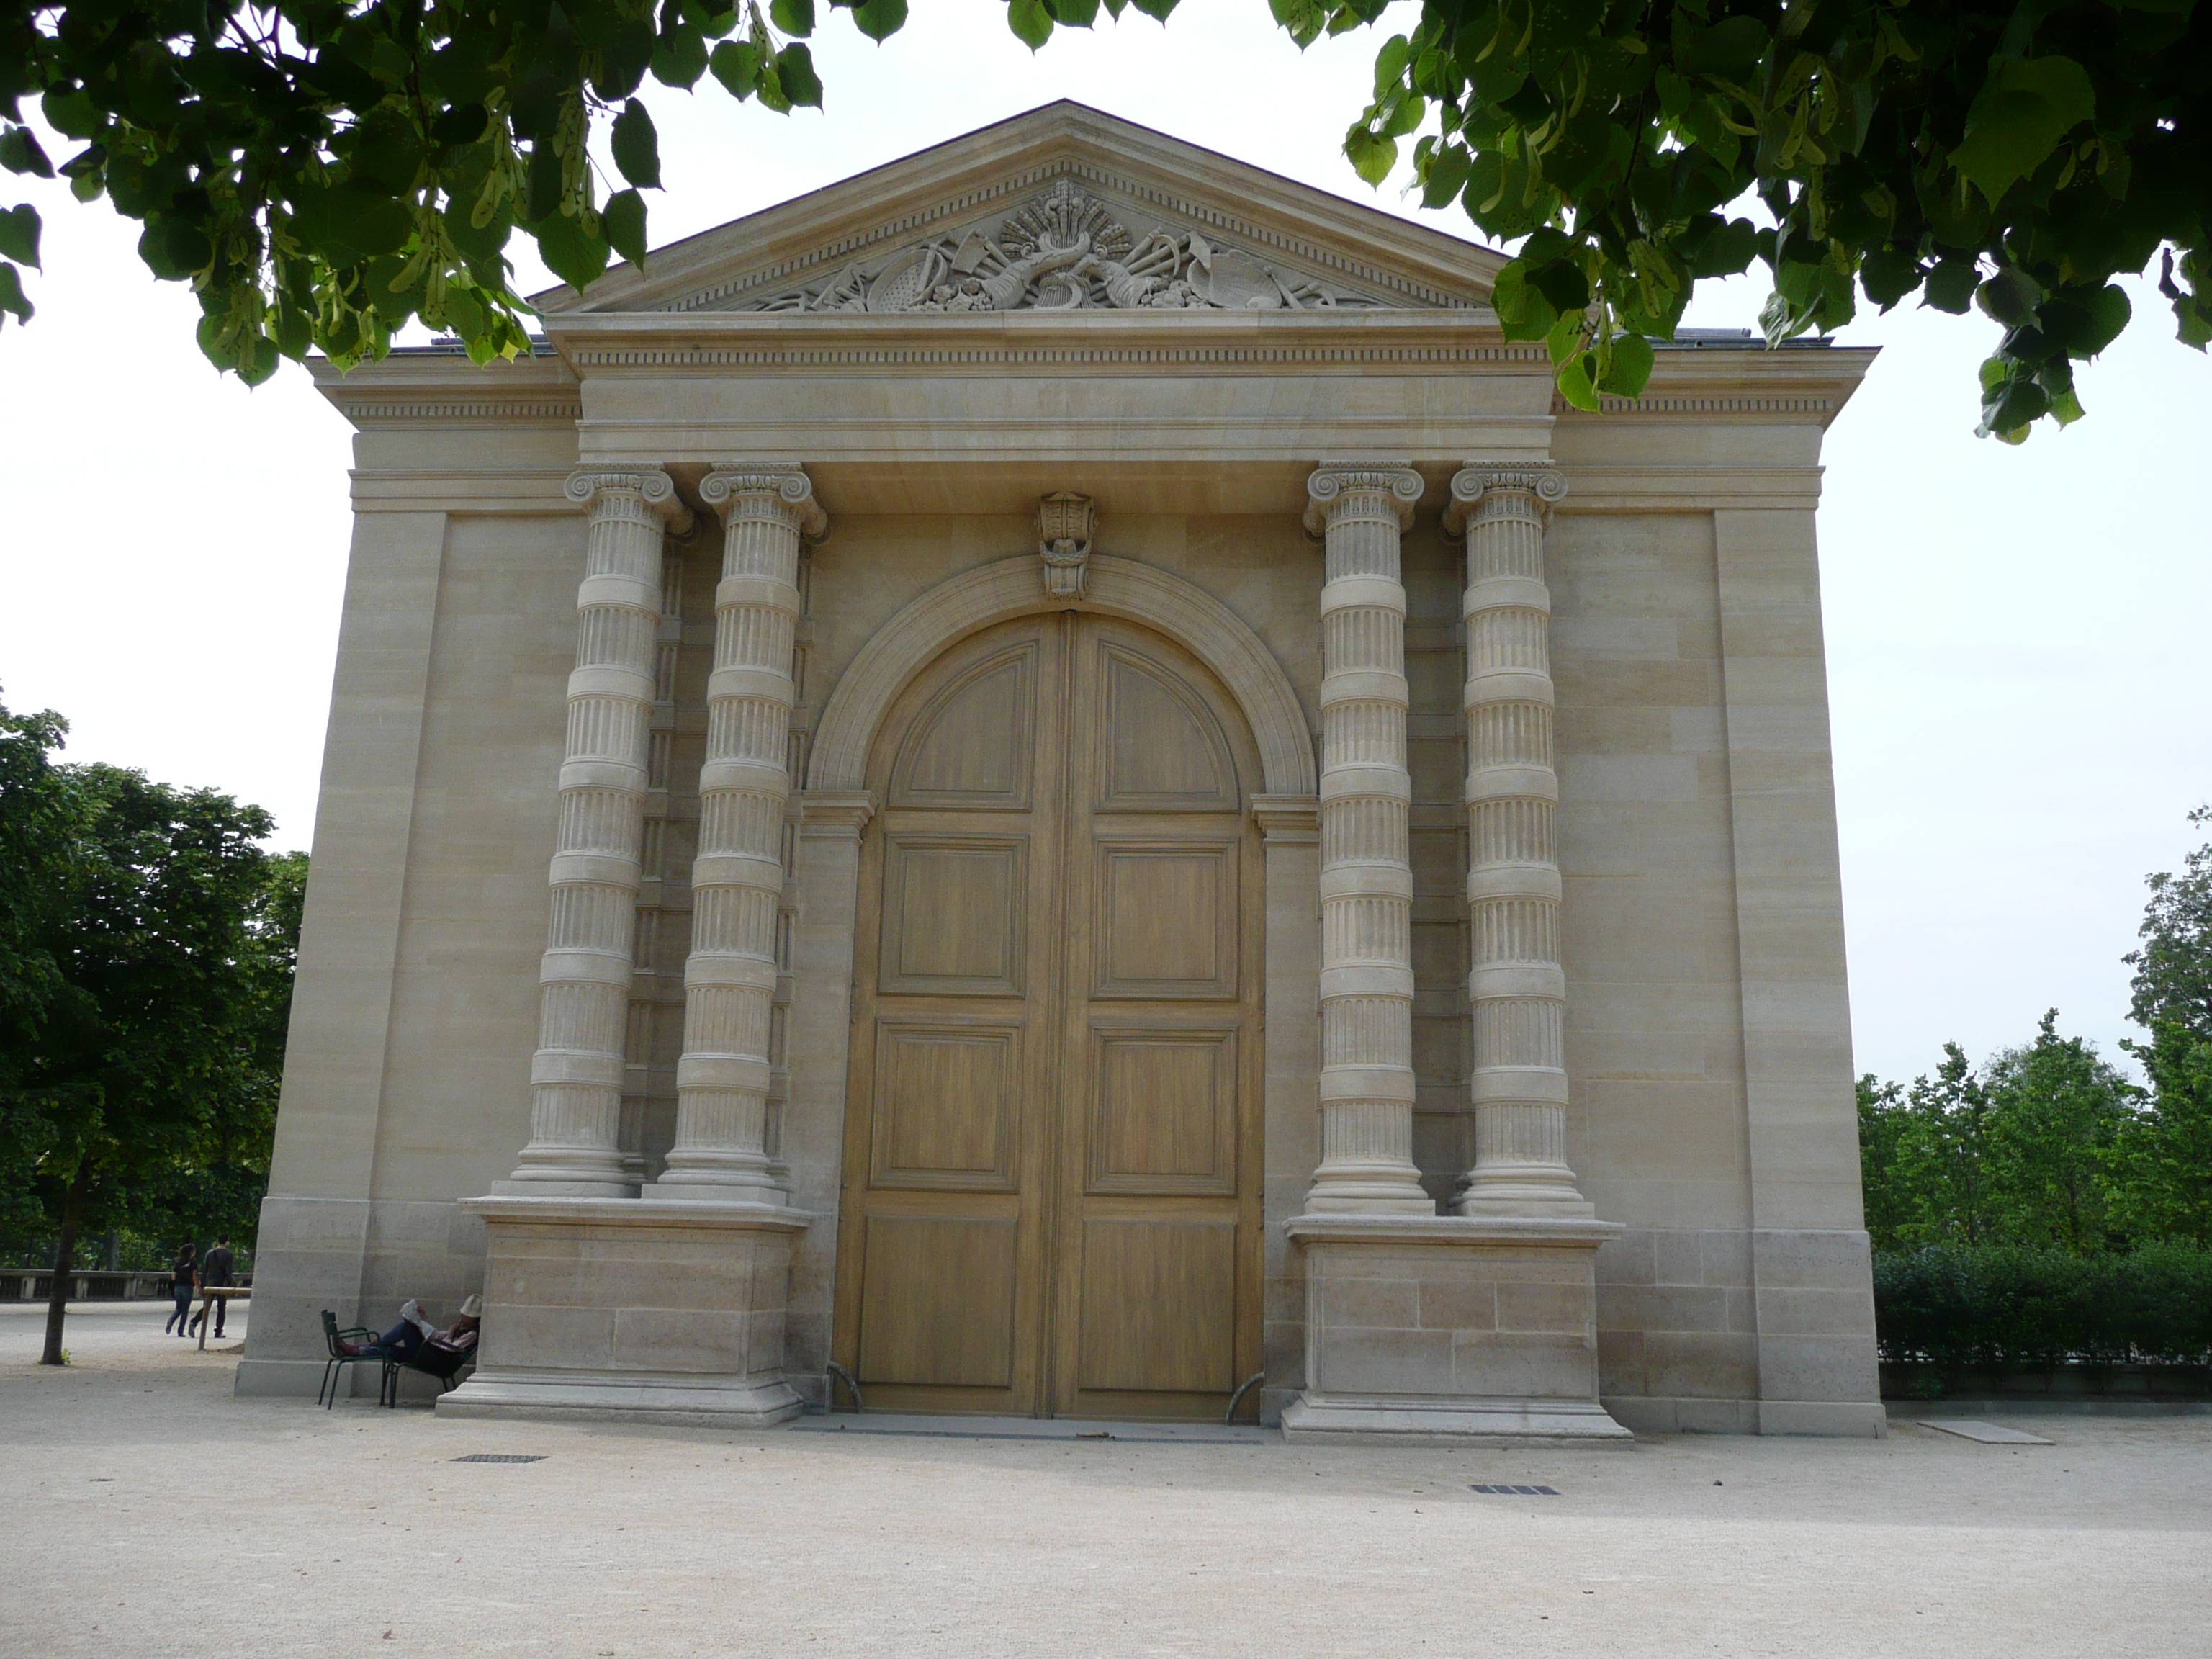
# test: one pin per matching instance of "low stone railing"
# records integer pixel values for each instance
(93, 1284)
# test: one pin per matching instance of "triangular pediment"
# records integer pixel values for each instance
(1062, 209)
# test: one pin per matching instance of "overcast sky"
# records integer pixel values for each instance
(2018, 649)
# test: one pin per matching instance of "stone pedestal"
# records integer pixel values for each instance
(638, 1310)
(1451, 1330)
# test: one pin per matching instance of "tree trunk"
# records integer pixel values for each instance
(65, 1261)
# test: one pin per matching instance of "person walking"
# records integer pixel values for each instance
(215, 1275)
(184, 1280)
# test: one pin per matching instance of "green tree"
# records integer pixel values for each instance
(2057, 1113)
(1886, 1124)
(2017, 157)
(41, 811)
(147, 1050)
(322, 170)
(2164, 1165)
(2167, 1161)
(1944, 1158)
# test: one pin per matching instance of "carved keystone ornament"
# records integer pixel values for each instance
(1065, 522)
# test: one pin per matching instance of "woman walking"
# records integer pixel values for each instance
(184, 1280)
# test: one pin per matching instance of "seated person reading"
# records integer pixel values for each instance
(407, 1339)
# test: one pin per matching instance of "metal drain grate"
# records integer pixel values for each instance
(498, 1457)
(1517, 1492)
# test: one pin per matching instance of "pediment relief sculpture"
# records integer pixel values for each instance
(1064, 250)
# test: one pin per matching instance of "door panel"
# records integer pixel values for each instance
(947, 1098)
(1159, 1306)
(1167, 922)
(955, 915)
(940, 1302)
(972, 746)
(1163, 1111)
(1052, 1168)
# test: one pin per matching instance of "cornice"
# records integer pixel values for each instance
(1792, 386)
(1034, 342)
(435, 388)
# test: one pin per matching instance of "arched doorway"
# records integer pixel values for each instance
(1051, 1160)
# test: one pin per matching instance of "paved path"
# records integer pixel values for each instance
(136, 1469)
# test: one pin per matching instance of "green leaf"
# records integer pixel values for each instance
(1073, 14)
(1887, 274)
(1158, 10)
(1563, 283)
(71, 114)
(636, 147)
(20, 153)
(623, 220)
(1030, 22)
(19, 235)
(794, 17)
(464, 124)
(1522, 313)
(736, 65)
(2024, 108)
(257, 358)
(2082, 324)
(542, 195)
(1445, 176)
(794, 68)
(680, 57)
(1371, 157)
(1633, 359)
(1573, 381)
(11, 293)
(1390, 63)
(1952, 283)
(879, 18)
(570, 251)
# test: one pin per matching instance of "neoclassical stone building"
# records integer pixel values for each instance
(1050, 781)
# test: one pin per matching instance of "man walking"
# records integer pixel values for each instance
(214, 1274)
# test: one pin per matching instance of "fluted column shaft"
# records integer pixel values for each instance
(576, 1076)
(737, 883)
(1366, 872)
(1515, 985)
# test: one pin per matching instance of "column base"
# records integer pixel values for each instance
(1517, 1207)
(1451, 1330)
(561, 1186)
(693, 1189)
(624, 1397)
(1487, 1422)
(650, 1310)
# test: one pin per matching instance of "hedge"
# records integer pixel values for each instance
(2011, 1307)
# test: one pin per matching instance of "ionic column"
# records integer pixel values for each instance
(1516, 984)
(576, 1076)
(1366, 875)
(737, 883)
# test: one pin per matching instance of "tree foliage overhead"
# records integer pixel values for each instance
(2014, 157)
(322, 170)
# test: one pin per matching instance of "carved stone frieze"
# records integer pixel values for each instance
(1065, 250)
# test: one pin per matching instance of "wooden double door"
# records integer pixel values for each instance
(1051, 1194)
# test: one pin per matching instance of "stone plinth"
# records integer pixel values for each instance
(633, 1309)
(1450, 1329)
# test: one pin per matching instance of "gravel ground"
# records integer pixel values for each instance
(151, 1513)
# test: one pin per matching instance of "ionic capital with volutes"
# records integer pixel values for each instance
(653, 488)
(1476, 479)
(1335, 487)
(741, 485)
